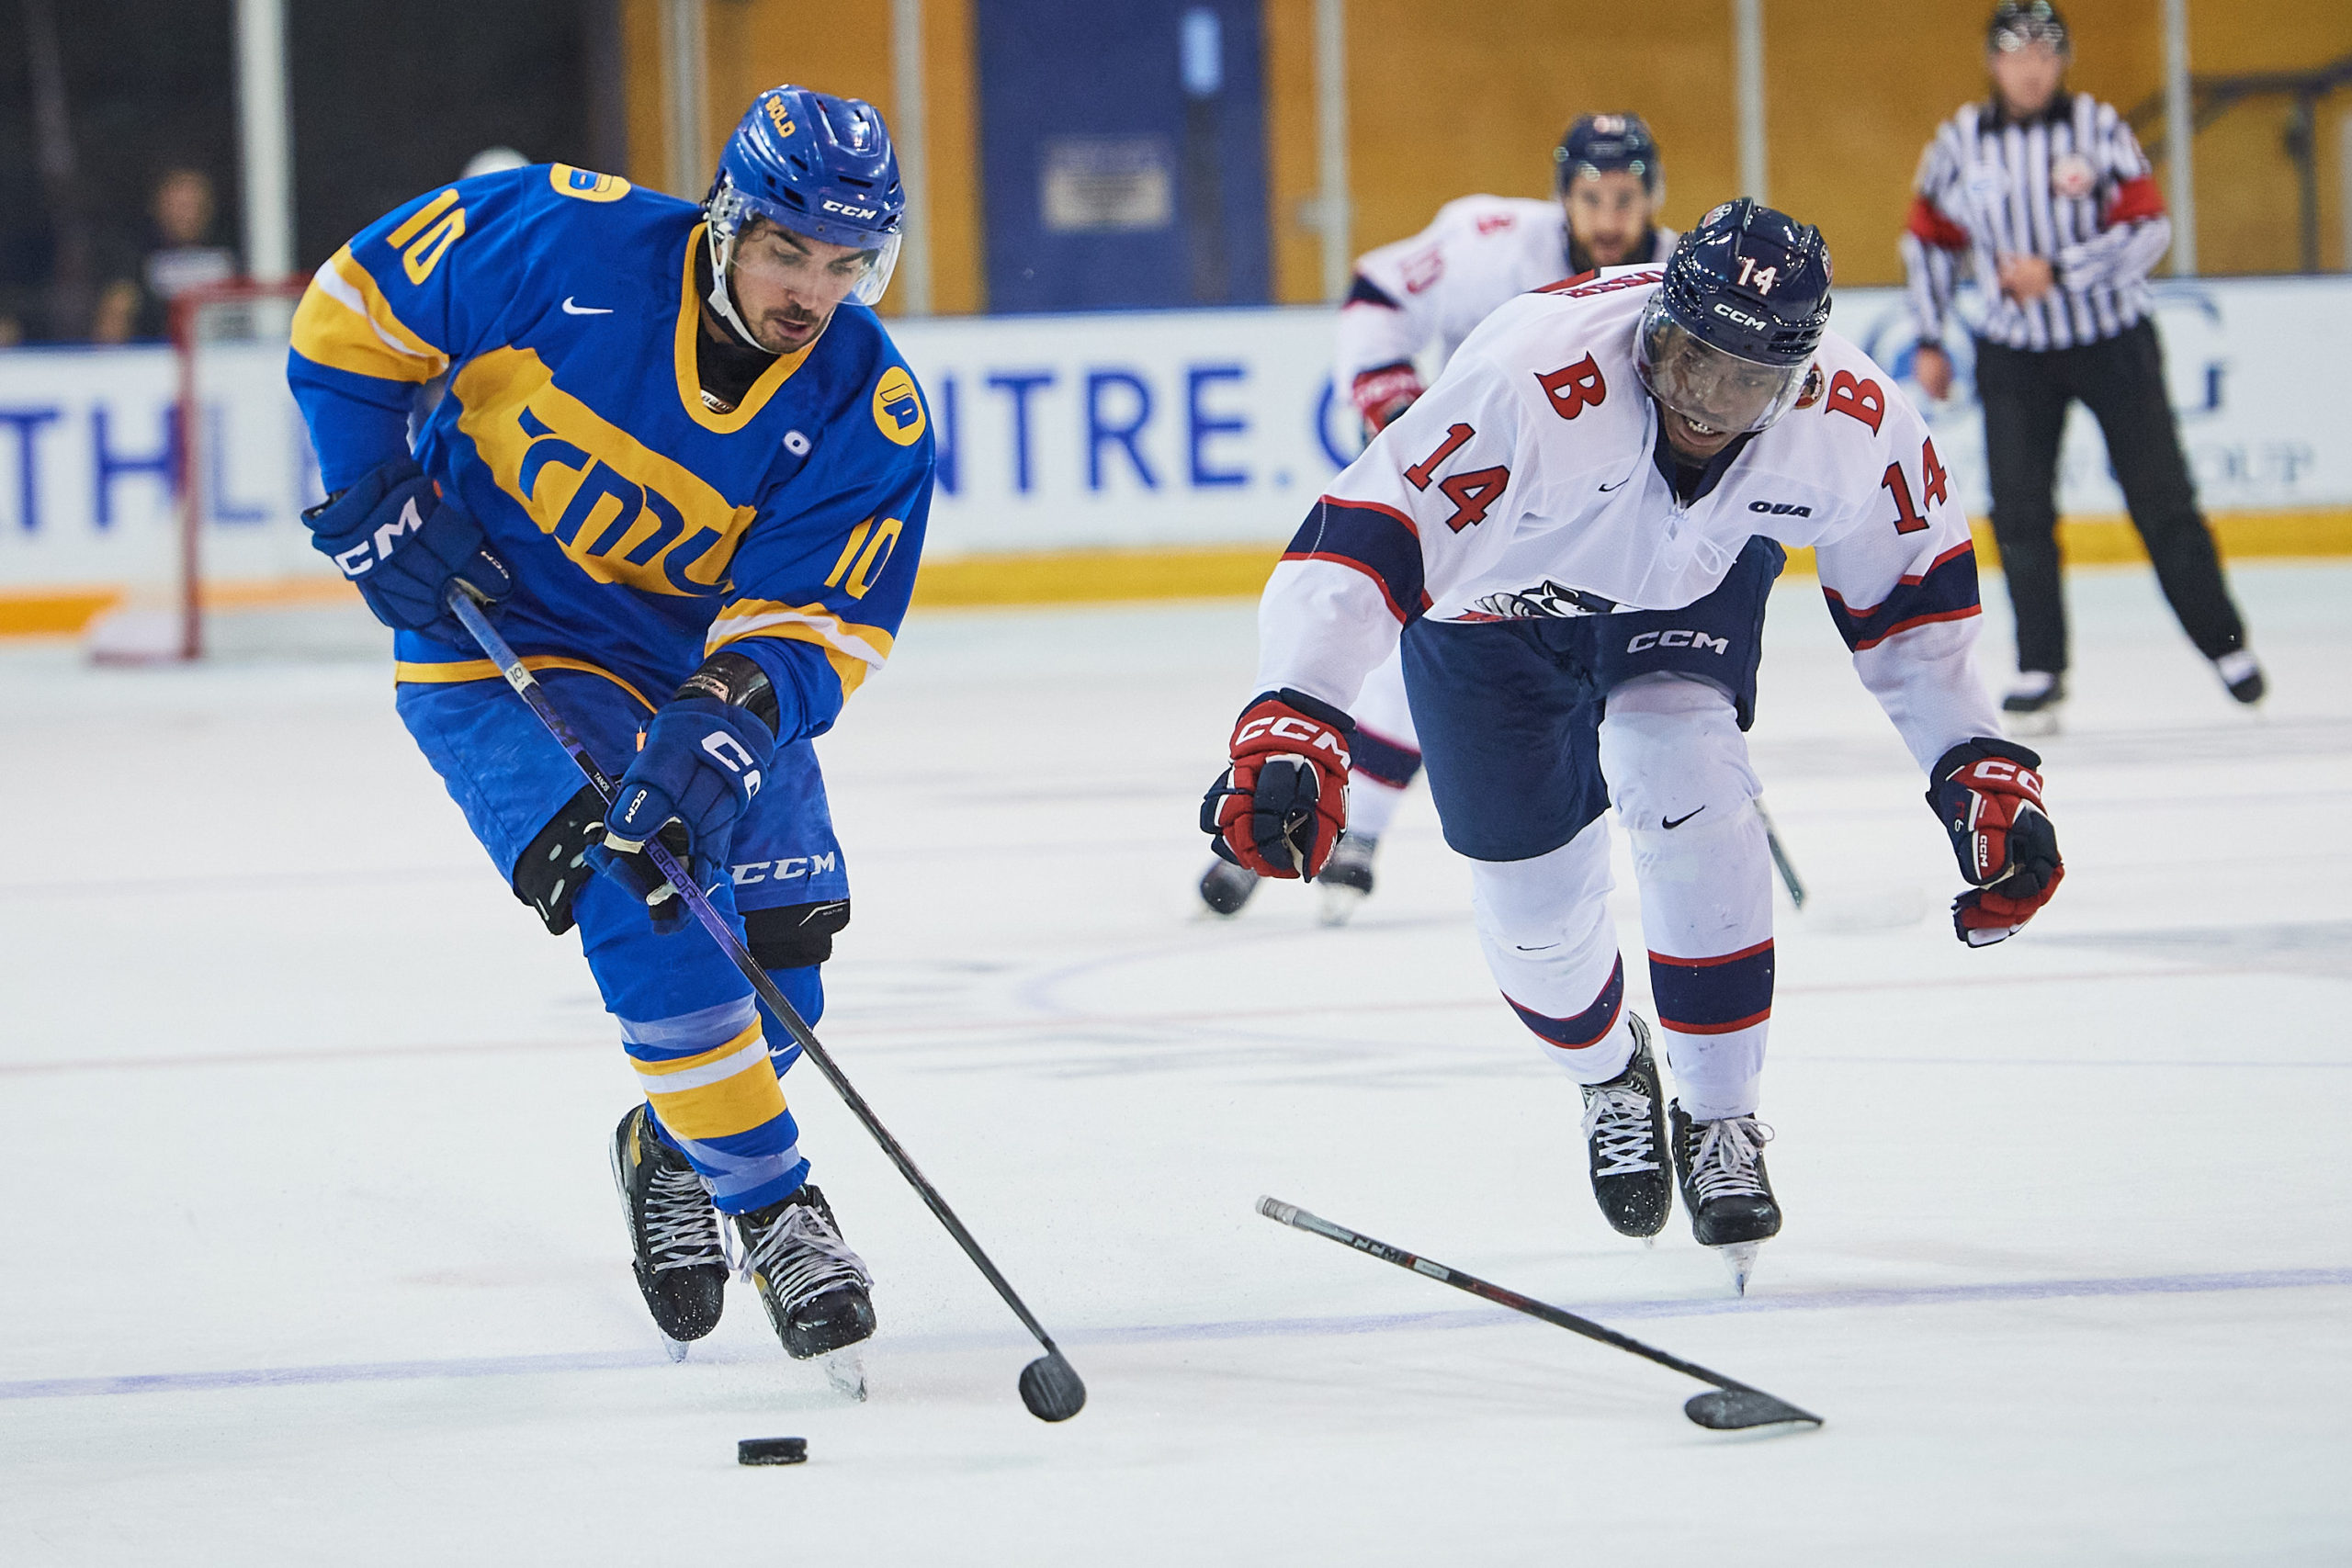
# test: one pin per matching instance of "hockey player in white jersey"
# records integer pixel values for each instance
(1413, 302)
(1598, 446)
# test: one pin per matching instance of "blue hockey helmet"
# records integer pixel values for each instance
(1597, 143)
(815, 164)
(1726, 339)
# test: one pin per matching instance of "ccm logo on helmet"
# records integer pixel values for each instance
(1648, 640)
(1780, 508)
(848, 212)
(1741, 317)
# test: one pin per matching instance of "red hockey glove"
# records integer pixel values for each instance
(1284, 803)
(1380, 395)
(1988, 798)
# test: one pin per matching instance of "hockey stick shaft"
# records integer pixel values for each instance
(698, 904)
(1781, 858)
(1299, 1219)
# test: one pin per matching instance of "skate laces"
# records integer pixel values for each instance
(799, 1256)
(1617, 1126)
(1725, 1164)
(681, 1228)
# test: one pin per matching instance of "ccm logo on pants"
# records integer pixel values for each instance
(1648, 640)
(790, 869)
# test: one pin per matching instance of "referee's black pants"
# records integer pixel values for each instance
(2121, 380)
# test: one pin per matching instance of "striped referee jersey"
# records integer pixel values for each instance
(2070, 184)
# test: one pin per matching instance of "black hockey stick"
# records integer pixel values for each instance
(1050, 1386)
(1781, 858)
(1735, 1407)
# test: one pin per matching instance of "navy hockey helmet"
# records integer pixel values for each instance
(817, 165)
(1597, 143)
(2018, 23)
(1726, 339)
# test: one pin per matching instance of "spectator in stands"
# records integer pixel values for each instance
(2046, 198)
(138, 304)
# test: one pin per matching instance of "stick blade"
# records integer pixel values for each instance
(1051, 1388)
(1739, 1410)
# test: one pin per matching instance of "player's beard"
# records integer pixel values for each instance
(788, 329)
(1618, 250)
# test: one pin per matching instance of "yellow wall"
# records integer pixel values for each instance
(753, 44)
(1446, 99)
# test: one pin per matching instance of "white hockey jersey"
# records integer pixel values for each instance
(1526, 483)
(1434, 288)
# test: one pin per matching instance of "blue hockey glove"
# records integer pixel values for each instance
(401, 546)
(698, 764)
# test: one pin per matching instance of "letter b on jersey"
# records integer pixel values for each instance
(1574, 387)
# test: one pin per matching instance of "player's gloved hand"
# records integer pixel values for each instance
(1380, 395)
(1284, 803)
(698, 764)
(1988, 796)
(402, 545)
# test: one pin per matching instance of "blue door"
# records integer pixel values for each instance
(1123, 152)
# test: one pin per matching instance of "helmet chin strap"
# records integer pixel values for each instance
(722, 297)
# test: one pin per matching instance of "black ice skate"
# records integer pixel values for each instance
(1726, 1188)
(2242, 673)
(1346, 877)
(817, 1290)
(1224, 888)
(674, 1231)
(1624, 1133)
(2033, 703)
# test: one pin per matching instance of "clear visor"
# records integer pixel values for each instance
(1705, 385)
(819, 271)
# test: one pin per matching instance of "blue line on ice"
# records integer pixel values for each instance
(1246, 1329)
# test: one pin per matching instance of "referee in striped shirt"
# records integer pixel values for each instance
(2046, 198)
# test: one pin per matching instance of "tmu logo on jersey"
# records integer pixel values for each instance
(622, 513)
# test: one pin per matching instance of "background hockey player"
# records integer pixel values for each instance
(680, 452)
(1413, 302)
(1614, 442)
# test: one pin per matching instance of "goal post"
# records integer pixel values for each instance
(242, 473)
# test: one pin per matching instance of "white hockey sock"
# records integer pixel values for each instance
(1371, 806)
(1543, 926)
(1678, 772)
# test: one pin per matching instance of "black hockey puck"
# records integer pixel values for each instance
(772, 1450)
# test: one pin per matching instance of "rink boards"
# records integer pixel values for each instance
(1101, 455)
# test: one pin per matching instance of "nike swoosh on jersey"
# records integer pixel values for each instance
(1673, 823)
(1621, 484)
(571, 308)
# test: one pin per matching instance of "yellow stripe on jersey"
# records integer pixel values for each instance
(716, 1093)
(690, 378)
(344, 322)
(854, 652)
(461, 671)
(622, 511)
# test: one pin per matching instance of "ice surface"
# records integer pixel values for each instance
(311, 1255)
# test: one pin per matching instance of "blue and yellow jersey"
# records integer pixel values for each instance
(644, 528)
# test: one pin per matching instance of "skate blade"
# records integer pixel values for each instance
(845, 1370)
(676, 1348)
(1740, 1259)
(1340, 905)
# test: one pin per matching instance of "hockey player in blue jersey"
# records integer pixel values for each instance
(680, 454)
